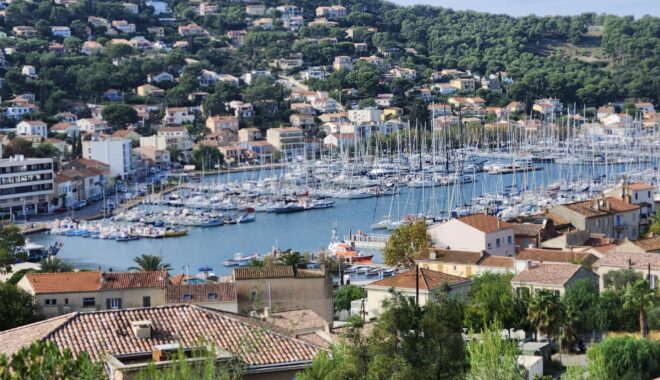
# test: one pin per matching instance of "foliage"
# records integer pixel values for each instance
(412, 341)
(46, 150)
(150, 263)
(207, 157)
(546, 312)
(119, 115)
(46, 361)
(619, 279)
(639, 296)
(492, 357)
(18, 275)
(200, 364)
(10, 240)
(291, 259)
(624, 358)
(344, 295)
(18, 307)
(490, 300)
(54, 265)
(582, 305)
(406, 243)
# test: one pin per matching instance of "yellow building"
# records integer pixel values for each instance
(455, 263)
(391, 113)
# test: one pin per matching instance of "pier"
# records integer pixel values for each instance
(368, 241)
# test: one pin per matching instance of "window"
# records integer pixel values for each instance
(597, 223)
(636, 196)
(66, 301)
(146, 301)
(187, 297)
(50, 302)
(253, 296)
(212, 296)
(454, 267)
(89, 302)
(498, 243)
(607, 222)
(490, 245)
(509, 240)
(113, 303)
(649, 194)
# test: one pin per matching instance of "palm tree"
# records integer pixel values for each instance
(54, 265)
(291, 259)
(545, 312)
(150, 263)
(639, 295)
(255, 262)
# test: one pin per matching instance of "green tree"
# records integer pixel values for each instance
(581, 303)
(405, 244)
(46, 360)
(493, 358)
(639, 296)
(18, 307)
(46, 150)
(620, 279)
(150, 263)
(545, 313)
(207, 157)
(624, 358)
(292, 259)
(118, 50)
(344, 295)
(10, 240)
(119, 115)
(205, 366)
(54, 265)
(493, 300)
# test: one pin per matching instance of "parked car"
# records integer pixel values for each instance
(80, 204)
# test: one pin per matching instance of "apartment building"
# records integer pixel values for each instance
(290, 141)
(26, 185)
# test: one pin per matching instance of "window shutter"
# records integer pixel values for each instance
(107, 304)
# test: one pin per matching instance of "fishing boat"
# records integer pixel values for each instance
(343, 250)
(33, 252)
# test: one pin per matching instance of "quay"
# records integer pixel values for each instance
(368, 241)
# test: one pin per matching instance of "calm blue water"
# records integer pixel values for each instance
(305, 231)
(637, 8)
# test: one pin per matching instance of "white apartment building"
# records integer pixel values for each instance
(26, 185)
(367, 115)
(113, 152)
(290, 141)
(32, 128)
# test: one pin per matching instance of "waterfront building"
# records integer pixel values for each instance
(169, 138)
(128, 341)
(282, 288)
(406, 283)
(153, 155)
(217, 123)
(249, 134)
(366, 115)
(552, 277)
(26, 185)
(114, 152)
(476, 233)
(290, 141)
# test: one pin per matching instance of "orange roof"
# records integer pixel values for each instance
(548, 274)
(485, 223)
(496, 261)
(640, 186)
(619, 205)
(428, 280)
(64, 282)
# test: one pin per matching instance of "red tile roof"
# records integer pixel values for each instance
(276, 271)
(129, 280)
(428, 280)
(109, 332)
(485, 223)
(640, 260)
(556, 256)
(199, 293)
(548, 274)
(451, 256)
(496, 261)
(68, 282)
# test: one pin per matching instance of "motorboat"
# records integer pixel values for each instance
(240, 260)
(247, 218)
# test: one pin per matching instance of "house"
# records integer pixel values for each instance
(131, 8)
(463, 84)
(32, 128)
(293, 23)
(366, 115)
(160, 77)
(339, 140)
(178, 116)
(217, 123)
(611, 216)
(301, 120)
(24, 31)
(547, 106)
(449, 261)
(384, 100)
(241, 110)
(444, 88)
(66, 292)
(211, 295)
(651, 244)
(70, 129)
(249, 134)
(406, 284)
(91, 125)
(237, 37)
(60, 31)
(476, 233)
(254, 74)
(191, 29)
(325, 104)
(404, 72)
(334, 117)
(232, 153)
(647, 264)
(261, 151)
(475, 103)
(126, 134)
(91, 47)
(113, 95)
(645, 107)
(555, 278)
(255, 10)
(131, 340)
(303, 108)
(150, 90)
(123, 26)
(374, 60)
(281, 288)
(290, 141)
(211, 78)
(638, 193)
(141, 43)
(343, 62)
(169, 138)
(29, 71)
(334, 12)
(516, 107)
(265, 23)
(153, 155)
(160, 7)
(290, 10)
(532, 234)
(552, 256)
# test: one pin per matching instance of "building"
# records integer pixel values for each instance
(335, 12)
(178, 116)
(60, 31)
(150, 90)
(531, 235)
(91, 125)
(638, 193)
(218, 123)
(301, 120)
(191, 29)
(261, 151)
(553, 256)
(551, 277)
(24, 31)
(26, 185)
(404, 72)
(169, 138)
(455, 263)
(647, 264)
(212, 295)
(290, 141)
(241, 110)
(406, 284)
(161, 77)
(476, 233)
(463, 84)
(66, 292)
(547, 106)
(232, 153)
(32, 128)
(91, 47)
(127, 341)
(237, 37)
(280, 288)
(114, 152)
(342, 62)
(153, 155)
(249, 134)
(366, 115)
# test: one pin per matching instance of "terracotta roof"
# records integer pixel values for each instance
(451, 256)
(64, 282)
(109, 332)
(618, 204)
(547, 274)
(13, 340)
(496, 261)
(91, 281)
(131, 280)
(197, 293)
(556, 256)
(484, 223)
(526, 229)
(428, 280)
(639, 260)
(276, 271)
(639, 186)
(297, 321)
(585, 208)
(650, 244)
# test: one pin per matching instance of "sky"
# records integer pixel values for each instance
(637, 8)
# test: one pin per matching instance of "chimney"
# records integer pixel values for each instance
(629, 263)
(267, 313)
(163, 352)
(596, 203)
(141, 329)
(498, 223)
(432, 254)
